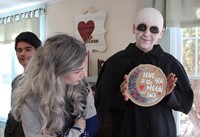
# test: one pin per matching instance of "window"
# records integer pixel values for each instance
(10, 68)
(191, 50)
(186, 48)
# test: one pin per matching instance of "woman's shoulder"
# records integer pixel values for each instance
(30, 103)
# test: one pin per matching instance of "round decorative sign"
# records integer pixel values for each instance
(147, 85)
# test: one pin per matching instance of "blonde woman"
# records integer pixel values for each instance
(53, 99)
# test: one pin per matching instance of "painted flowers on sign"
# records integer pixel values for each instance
(147, 85)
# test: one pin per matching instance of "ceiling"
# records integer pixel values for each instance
(7, 5)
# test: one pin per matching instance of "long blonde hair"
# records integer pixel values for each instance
(56, 101)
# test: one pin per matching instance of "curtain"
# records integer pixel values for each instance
(12, 25)
(13, 29)
(176, 13)
(182, 13)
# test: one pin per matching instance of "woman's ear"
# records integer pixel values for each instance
(133, 28)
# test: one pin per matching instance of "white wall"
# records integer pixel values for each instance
(118, 24)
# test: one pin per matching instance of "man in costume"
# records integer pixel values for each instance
(129, 119)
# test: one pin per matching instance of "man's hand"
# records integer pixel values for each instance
(171, 83)
(124, 88)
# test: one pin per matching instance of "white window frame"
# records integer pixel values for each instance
(15, 72)
(176, 51)
(176, 48)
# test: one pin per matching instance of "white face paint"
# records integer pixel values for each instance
(150, 19)
(150, 16)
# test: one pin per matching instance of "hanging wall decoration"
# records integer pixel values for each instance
(90, 29)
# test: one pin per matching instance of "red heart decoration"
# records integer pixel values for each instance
(141, 87)
(85, 29)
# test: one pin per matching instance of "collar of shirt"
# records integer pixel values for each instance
(132, 50)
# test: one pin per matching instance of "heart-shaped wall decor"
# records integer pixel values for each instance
(86, 29)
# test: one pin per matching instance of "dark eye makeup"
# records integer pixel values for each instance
(143, 27)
